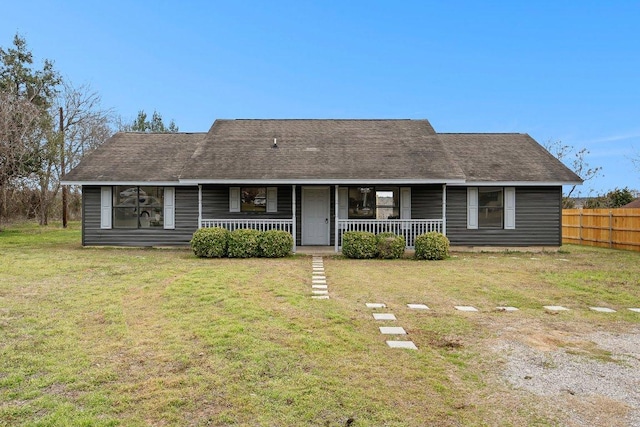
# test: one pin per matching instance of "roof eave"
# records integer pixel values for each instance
(322, 181)
(517, 183)
(123, 182)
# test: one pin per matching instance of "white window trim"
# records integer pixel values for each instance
(169, 208)
(472, 208)
(509, 208)
(234, 199)
(405, 206)
(106, 208)
(343, 203)
(272, 199)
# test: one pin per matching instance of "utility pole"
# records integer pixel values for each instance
(62, 172)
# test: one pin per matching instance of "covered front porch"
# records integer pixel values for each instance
(319, 215)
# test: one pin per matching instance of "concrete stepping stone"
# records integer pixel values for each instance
(418, 306)
(318, 277)
(320, 297)
(637, 310)
(506, 308)
(467, 308)
(402, 344)
(555, 308)
(375, 305)
(602, 309)
(392, 330)
(320, 292)
(384, 316)
(319, 282)
(319, 286)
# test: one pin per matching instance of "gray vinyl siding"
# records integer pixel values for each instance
(215, 204)
(186, 220)
(538, 219)
(426, 202)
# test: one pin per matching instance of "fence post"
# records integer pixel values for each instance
(610, 228)
(580, 226)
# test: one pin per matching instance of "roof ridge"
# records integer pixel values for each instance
(481, 133)
(337, 120)
(158, 133)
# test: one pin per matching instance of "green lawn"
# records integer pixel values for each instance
(158, 337)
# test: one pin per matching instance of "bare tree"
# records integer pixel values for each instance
(19, 129)
(635, 160)
(85, 125)
(575, 159)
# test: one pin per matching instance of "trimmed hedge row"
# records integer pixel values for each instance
(217, 242)
(366, 245)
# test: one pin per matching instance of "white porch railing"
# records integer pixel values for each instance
(407, 228)
(256, 224)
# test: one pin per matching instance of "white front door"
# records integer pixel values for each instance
(315, 216)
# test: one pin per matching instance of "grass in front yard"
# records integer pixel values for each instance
(158, 337)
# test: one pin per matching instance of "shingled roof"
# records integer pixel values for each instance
(320, 151)
(502, 157)
(137, 157)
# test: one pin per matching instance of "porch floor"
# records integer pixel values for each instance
(316, 250)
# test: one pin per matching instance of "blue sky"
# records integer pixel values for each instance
(566, 70)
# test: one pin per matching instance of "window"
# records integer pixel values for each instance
(254, 199)
(138, 207)
(374, 203)
(491, 208)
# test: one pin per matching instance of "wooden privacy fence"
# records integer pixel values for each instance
(609, 228)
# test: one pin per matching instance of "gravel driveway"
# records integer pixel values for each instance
(591, 379)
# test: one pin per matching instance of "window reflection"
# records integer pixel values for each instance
(374, 203)
(138, 207)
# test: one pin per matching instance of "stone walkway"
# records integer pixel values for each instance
(391, 330)
(319, 287)
(320, 290)
(399, 331)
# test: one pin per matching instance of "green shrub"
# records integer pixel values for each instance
(390, 246)
(433, 246)
(210, 242)
(359, 244)
(275, 244)
(244, 243)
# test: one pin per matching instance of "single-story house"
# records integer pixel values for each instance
(318, 179)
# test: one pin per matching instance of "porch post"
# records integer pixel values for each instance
(336, 212)
(293, 209)
(444, 209)
(199, 205)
